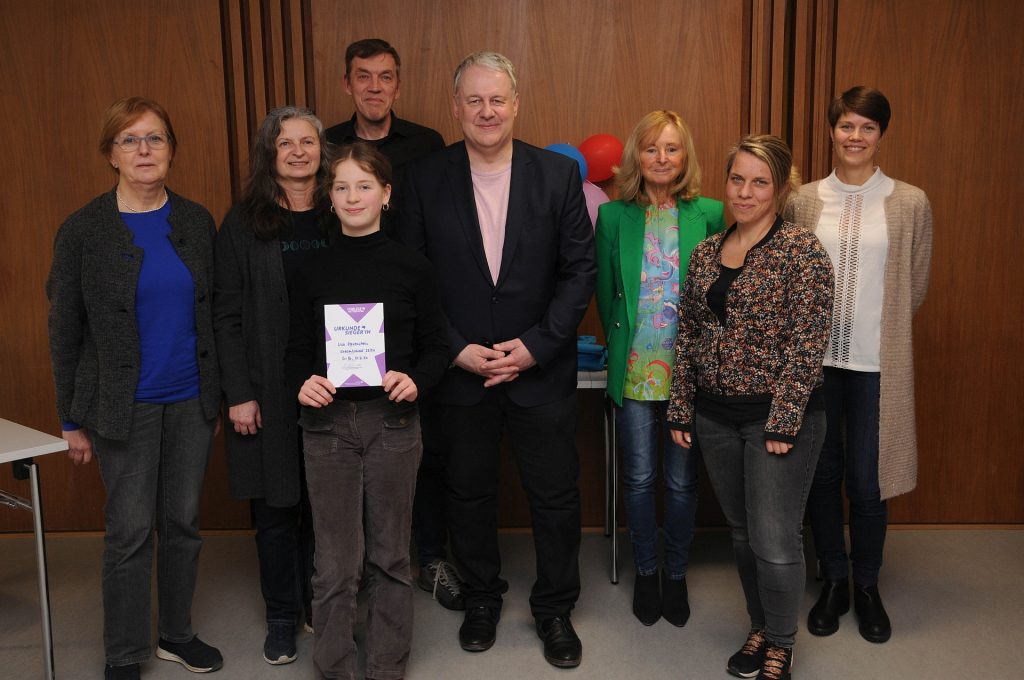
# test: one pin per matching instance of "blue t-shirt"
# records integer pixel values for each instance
(164, 313)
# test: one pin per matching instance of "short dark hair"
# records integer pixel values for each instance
(864, 101)
(370, 47)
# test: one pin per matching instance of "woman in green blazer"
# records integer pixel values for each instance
(644, 241)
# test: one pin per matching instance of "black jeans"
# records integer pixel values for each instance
(284, 544)
(154, 481)
(850, 456)
(543, 438)
(430, 508)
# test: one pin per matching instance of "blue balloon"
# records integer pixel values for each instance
(572, 152)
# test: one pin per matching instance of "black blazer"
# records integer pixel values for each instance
(547, 267)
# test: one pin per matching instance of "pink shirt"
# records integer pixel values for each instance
(491, 191)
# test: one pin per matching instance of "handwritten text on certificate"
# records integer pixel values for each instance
(354, 334)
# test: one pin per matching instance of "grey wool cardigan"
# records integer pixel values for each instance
(908, 216)
(94, 339)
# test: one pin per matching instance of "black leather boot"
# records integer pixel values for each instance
(874, 622)
(647, 599)
(833, 602)
(675, 603)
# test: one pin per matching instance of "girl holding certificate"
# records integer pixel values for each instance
(367, 313)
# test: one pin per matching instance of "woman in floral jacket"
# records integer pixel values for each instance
(754, 321)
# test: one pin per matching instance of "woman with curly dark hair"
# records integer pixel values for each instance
(264, 241)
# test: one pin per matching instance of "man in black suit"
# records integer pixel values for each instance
(506, 226)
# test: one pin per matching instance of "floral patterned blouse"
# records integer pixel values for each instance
(649, 371)
(771, 346)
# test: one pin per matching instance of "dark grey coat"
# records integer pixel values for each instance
(250, 307)
(94, 339)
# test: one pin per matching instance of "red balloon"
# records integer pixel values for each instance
(602, 151)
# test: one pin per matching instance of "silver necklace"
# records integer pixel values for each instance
(122, 202)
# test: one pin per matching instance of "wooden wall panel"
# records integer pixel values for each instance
(267, 64)
(583, 68)
(64, 63)
(954, 74)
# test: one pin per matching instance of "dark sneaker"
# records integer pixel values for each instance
(442, 579)
(129, 672)
(279, 647)
(777, 664)
(195, 655)
(746, 663)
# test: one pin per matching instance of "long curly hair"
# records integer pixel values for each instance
(263, 196)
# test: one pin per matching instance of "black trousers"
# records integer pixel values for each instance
(284, 546)
(543, 439)
(430, 508)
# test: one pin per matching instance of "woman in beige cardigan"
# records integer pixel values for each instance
(878, 233)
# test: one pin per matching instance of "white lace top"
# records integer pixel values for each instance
(853, 230)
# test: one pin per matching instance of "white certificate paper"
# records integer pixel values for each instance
(354, 334)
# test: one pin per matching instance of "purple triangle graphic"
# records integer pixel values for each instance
(381, 364)
(353, 381)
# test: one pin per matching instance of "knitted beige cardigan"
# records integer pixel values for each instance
(908, 216)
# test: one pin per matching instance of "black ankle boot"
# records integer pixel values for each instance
(675, 605)
(833, 602)
(646, 599)
(874, 622)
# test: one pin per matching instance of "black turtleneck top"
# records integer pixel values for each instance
(370, 268)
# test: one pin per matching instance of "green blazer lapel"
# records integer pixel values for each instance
(693, 228)
(631, 253)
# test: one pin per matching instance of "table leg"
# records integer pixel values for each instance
(44, 586)
(607, 469)
(613, 482)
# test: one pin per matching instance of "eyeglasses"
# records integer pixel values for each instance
(131, 143)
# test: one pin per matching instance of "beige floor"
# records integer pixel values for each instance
(956, 598)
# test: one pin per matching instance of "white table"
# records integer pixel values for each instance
(587, 380)
(16, 444)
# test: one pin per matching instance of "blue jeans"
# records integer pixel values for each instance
(850, 454)
(639, 424)
(763, 496)
(361, 459)
(153, 481)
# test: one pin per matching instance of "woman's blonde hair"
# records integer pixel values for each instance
(776, 155)
(628, 177)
